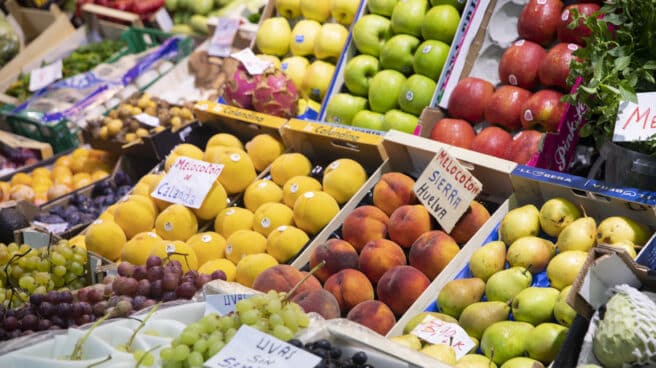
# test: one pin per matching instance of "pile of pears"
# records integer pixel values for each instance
(514, 305)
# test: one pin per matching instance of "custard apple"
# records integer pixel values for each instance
(626, 336)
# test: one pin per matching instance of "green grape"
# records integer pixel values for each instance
(57, 259)
(283, 333)
(23, 262)
(59, 271)
(289, 316)
(303, 320)
(200, 346)
(216, 335)
(166, 354)
(258, 300)
(176, 342)
(214, 349)
(226, 322)
(23, 248)
(275, 319)
(70, 277)
(4, 255)
(274, 305)
(244, 305)
(250, 317)
(189, 337)
(262, 325)
(229, 334)
(42, 278)
(27, 283)
(181, 352)
(65, 251)
(77, 269)
(44, 265)
(12, 248)
(144, 358)
(195, 359)
(80, 251)
(77, 284)
(16, 271)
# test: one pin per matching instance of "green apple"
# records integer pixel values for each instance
(382, 7)
(344, 11)
(416, 94)
(273, 36)
(370, 34)
(408, 16)
(317, 79)
(441, 23)
(295, 67)
(358, 73)
(318, 10)
(458, 4)
(289, 9)
(330, 41)
(303, 37)
(368, 120)
(430, 58)
(384, 90)
(342, 107)
(401, 121)
(398, 53)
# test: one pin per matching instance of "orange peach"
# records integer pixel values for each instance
(338, 255)
(400, 287)
(284, 278)
(407, 223)
(318, 301)
(374, 315)
(470, 222)
(394, 190)
(432, 252)
(350, 287)
(378, 256)
(364, 224)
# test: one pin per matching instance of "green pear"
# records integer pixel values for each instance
(505, 284)
(535, 305)
(505, 340)
(479, 316)
(531, 252)
(545, 340)
(562, 311)
(522, 362)
(475, 361)
(458, 294)
(409, 340)
(556, 214)
(522, 221)
(579, 235)
(617, 228)
(627, 246)
(488, 259)
(565, 267)
(420, 318)
(442, 352)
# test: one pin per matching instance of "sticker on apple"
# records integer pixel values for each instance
(427, 49)
(573, 46)
(512, 79)
(565, 15)
(528, 115)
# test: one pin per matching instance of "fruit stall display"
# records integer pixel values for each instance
(191, 17)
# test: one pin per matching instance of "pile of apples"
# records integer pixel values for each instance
(309, 42)
(533, 82)
(402, 47)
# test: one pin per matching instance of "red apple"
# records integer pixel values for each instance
(539, 21)
(469, 98)
(581, 31)
(520, 63)
(505, 107)
(456, 132)
(543, 108)
(492, 141)
(525, 144)
(554, 69)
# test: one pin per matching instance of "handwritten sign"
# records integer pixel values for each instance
(187, 182)
(52, 228)
(252, 63)
(636, 122)
(43, 77)
(446, 189)
(251, 348)
(223, 303)
(147, 119)
(436, 331)
(224, 34)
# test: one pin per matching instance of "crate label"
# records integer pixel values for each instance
(223, 304)
(636, 122)
(247, 115)
(187, 182)
(52, 228)
(252, 63)
(446, 189)
(224, 34)
(43, 77)
(163, 20)
(147, 119)
(436, 331)
(250, 348)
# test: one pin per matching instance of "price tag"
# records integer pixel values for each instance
(224, 35)
(223, 303)
(446, 189)
(187, 182)
(163, 20)
(436, 331)
(636, 122)
(250, 348)
(252, 63)
(43, 77)
(147, 119)
(52, 228)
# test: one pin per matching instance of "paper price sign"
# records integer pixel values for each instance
(250, 348)
(223, 304)
(187, 182)
(436, 331)
(147, 119)
(224, 34)
(446, 189)
(636, 122)
(43, 77)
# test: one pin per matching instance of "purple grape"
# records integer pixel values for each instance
(30, 322)
(99, 309)
(124, 308)
(169, 295)
(3, 335)
(44, 324)
(192, 274)
(64, 310)
(36, 299)
(86, 308)
(170, 281)
(138, 301)
(76, 309)
(174, 264)
(10, 313)
(46, 309)
(155, 273)
(218, 275)
(130, 286)
(113, 300)
(143, 287)
(83, 294)
(186, 290)
(148, 303)
(51, 297)
(13, 334)
(125, 269)
(65, 297)
(96, 295)
(82, 319)
(58, 321)
(140, 272)
(10, 324)
(153, 261)
(202, 280)
(156, 289)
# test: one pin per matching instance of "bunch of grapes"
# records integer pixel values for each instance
(199, 341)
(332, 356)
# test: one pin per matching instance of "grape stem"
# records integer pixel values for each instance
(169, 254)
(312, 271)
(8, 279)
(107, 359)
(141, 325)
(145, 354)
(77, 351)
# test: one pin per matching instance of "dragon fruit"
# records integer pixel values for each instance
(275, 94)
(238, 91)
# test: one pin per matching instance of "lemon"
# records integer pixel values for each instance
(185, 150)
(244, 242)
(105, 238)
(251, 266)
(207, 246)
(261, 192)
(134, 217)
(145, 200)
(263, 149)
(288, 165)
(298, 185)
(343, 178)
(224, 140)
(271, 215)
(41, 171)
(137, 250)
(222, 264)
(233, 219)
(215, 201)
(176, 222)
(238, 171)
(314, 210)
(176, 250)
(286, 242)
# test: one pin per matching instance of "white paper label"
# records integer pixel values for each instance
(223, 304)
(164, 20)
(43, 77)
(252, 63)
(52, 228)
(636, 122)
(147, 119)
(187, 182)
(224, 34)
(446, 189)
(250, 348)
(436, 331)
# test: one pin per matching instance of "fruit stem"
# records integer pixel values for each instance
(141, 325)
(528, 269)
(108, 358)
(168, 257)
(585, 214)
(145, 354)
(77, 351)
(298, 284)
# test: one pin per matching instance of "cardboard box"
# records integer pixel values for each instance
(245, 124)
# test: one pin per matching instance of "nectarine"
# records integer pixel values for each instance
(338, 255)
(432, 252)
(364, 224)
(407, 223)
(392, 191)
